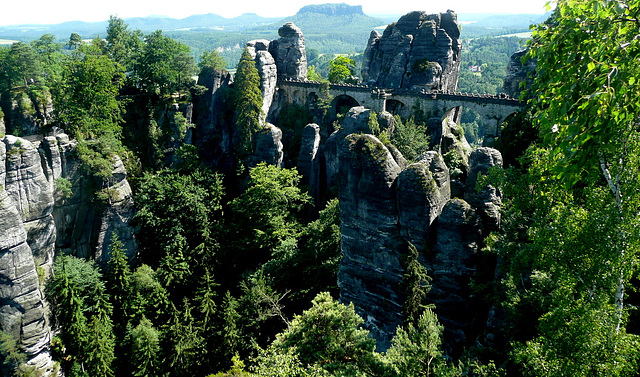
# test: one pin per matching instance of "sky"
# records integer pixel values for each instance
(17, 12)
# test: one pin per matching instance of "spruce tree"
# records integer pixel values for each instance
(247, 101)
(145, 349)
(415, 283)
(100, 345)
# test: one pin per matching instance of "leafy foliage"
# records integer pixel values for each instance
(327, 335)
(342, 69)
(410, 138)
(164, 66)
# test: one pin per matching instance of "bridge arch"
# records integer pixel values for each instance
(312, 99)
(342, 104)
(396, 107)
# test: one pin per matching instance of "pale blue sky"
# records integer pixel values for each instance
(15, 12)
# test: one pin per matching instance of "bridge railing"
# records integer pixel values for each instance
(433, 94)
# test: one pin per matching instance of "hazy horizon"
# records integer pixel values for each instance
(40, 12)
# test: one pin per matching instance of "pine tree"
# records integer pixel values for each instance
(247, 101)
(205, 296)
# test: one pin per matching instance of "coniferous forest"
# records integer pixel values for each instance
(236, 267)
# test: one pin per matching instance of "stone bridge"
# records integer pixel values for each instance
(493, 109)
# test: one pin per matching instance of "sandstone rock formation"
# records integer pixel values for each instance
(37, 219)
(290, 53)
(385, 204)
(26, 183)
(269, 146)
(22, 312)
(213, 132)
(27, 243)
(370, 272)
(488, 200)
(308, 156)
(419, 51)
(518, 73)
(266, 65)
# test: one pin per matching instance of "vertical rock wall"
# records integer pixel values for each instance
(36, 221)
(384, 205)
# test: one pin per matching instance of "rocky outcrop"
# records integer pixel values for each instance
(517, 73)
(308, 156)
(22, 312)
(419, 51)
(453, 264)
(370, 272)
(116, 216)
(40, 217)
(32, 192)
(385, 205)
(269, 146)
(266, 65)
(290, 53)
(85, 224)
(212, 117)
(423, 190)
(487, 200)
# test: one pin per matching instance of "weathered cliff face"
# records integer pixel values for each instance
(32, 192)
(37, 219)
(419, 51)
(22, 312)
(269, 146)
(370, 272)
(212, 117)
(27, 247)
(84, 226)
(385, 205)
(266, 65)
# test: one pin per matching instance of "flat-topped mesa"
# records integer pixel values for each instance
(420, 51)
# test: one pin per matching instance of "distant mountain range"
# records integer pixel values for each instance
(312, 19)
